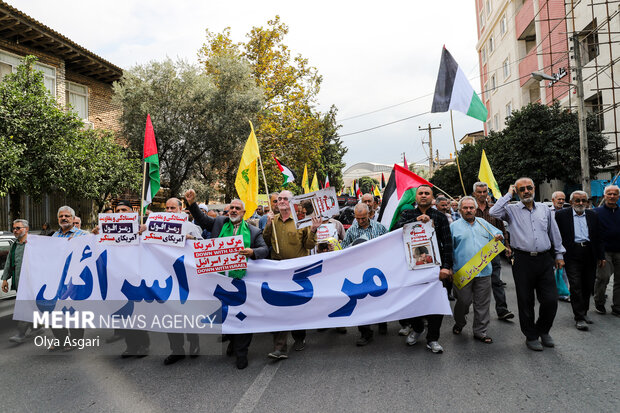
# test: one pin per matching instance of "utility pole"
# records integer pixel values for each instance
(581, 114)
(429, 129)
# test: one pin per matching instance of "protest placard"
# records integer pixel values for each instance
(477, 263)
(118, 229)
(323, 203)
(219, 254)
(263, 200)
(421, 249)
(166, 228)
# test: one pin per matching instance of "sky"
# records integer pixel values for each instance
(379, 57)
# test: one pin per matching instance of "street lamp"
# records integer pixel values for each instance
(581, 114)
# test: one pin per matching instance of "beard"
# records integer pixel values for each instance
(579, 209)
(235, 219)
(527, 200)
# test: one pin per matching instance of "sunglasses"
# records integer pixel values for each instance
(18, 228)
(523, 188)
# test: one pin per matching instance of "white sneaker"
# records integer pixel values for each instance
(412, 338)
(405, 331)
(435, 347)
(18, 339)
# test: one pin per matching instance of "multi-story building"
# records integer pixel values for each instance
(518, 37)
(75, 77)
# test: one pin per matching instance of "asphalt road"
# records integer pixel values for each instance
(332, 374)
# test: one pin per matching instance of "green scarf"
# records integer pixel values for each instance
(228, 231)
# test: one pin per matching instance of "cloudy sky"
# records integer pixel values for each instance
(374, 57)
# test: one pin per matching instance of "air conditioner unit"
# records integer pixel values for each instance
(88, 125)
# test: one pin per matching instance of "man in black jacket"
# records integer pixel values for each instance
(580, 229)
(225, 225)
(424, 212)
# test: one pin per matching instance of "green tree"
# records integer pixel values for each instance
(288, 125)
(200, 121)
(366, 183)
(43, 147)
(331, 162)
(539, 141)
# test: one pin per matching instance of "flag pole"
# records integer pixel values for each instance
(275, 236)
(456, 155)
(444, 192)
(143, 190)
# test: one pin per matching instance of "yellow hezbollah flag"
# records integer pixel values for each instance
(376, 191)
(315, 184)
(304, 180)
(246, 182)
(477, 263)
(486, 175)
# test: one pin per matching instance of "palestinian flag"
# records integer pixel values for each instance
(151, 180)
(287, 174)
(453, 91)
(400, 190)
(326, 181)
(405, 162)
(382, 181)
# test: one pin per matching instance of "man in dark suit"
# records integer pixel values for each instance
(580, 232)
(228, 225)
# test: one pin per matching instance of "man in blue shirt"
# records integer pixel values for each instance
(66, 216)
(537, 245)
(469, 235)
(609, 217)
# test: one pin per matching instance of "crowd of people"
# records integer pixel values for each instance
(546, 246)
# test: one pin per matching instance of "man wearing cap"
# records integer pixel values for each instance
(255, 248)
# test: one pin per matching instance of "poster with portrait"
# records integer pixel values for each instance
(323, 203)
(421, 248)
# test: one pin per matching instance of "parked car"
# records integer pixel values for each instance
(6, 240)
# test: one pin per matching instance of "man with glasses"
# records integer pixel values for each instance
(12, 270)
(365, 228)
(255, 248)
(537, 246)
(291, 243)
(609, 217)
(579, 228)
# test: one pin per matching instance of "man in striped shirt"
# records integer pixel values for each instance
(363, 226)
(66, 219)
(365, 229)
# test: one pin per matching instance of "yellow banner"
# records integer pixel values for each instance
(477, 263)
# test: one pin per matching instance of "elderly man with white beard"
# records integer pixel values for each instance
(255, 248)
(580, 230)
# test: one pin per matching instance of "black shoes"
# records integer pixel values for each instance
(546, 340)
(534, 345)
(508, 315)
(362, 341)
(242, 362)
(173, 358)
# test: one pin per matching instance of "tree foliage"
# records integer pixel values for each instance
(539, 141)
(200, 121)
(366, 183)
(288, 125)
(43, 148)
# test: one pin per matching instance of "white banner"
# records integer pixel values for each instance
(365, 284)
(118, 229)
(322, 203)
(165, 228)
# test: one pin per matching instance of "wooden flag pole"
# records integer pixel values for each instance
(456, 155)
(143, 190)
(273, 226)
(444, 192)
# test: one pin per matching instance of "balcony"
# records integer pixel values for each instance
(527, 66)
(524, 20)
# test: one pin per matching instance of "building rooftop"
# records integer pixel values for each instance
(18, 28)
